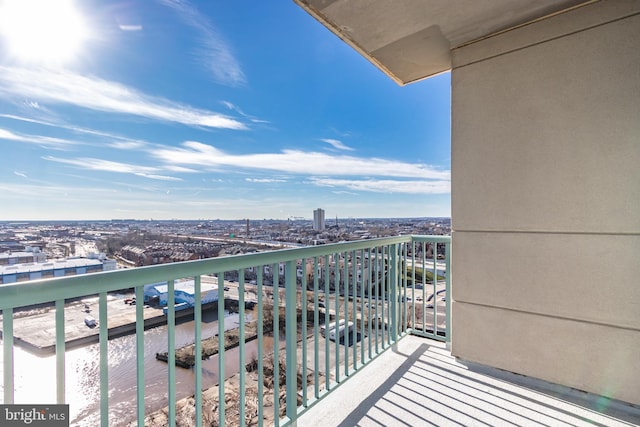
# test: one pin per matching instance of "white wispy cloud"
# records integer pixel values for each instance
(128, 145)
(296, 161)
(87, 196)
(34, 192)
(338, 145)
(111, 166)
(214, 53)
(22, 174)
(107, 96)
(160, 177)
(179, 169)
(265, 180)
(113, 140)
(32, 104)
(387, 185)
(25, 119)
(129, 27)
(233, 107)
(344, 134)
(45, 141)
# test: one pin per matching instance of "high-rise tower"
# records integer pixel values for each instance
(318, 219)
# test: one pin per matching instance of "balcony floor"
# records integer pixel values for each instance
(421, 384)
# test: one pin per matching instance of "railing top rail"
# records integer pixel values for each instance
(47, 290)
(431, 239)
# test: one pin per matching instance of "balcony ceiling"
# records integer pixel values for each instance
(411, 39)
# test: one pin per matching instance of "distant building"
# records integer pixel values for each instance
(58, 268)
(156, 294)
(156, 254)
(28, 255)
(318, 219)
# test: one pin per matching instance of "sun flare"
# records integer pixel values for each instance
(42, 31)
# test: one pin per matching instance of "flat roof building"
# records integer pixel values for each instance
(21, 257)
(184, 292)
(69, 267)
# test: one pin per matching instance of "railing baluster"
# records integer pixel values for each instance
(369, 299)
(345, 296)
(362, 286)
(393, 284)
(259, 280)
(405, 283)
(399, 293)
(291, 335)
(303, 303)
(393, 292)
(60, 353)
(241, 364)
(402, 290)
(171, 344)
(387, 298)
(435, 289)
(276, 340)
(447, 293)
(336, 318)
(397, 289)
(140, 355)
(385, 272)
(413, 285)
(104, 361)
(424, 287)
(327, 297)
(377, 289)
(316, 330)
(197, 318)
(388, 290)
(7, 343)
(352, 333)
(221, 376)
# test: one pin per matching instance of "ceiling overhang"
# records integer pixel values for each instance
(410, 40)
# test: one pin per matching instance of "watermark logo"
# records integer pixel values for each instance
(34, 415)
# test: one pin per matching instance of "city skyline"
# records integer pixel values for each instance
(186, 110)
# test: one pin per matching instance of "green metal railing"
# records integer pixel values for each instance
(380, 289)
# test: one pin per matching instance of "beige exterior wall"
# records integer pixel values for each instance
(546, 200)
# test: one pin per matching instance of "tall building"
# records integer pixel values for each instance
(318, 219)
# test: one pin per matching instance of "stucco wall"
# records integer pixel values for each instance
(546, 200)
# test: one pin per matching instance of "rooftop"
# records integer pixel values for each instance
(186, 286)
(49, 265)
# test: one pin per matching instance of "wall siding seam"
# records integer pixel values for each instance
(549, 315)
(527, 46)
(551, 232)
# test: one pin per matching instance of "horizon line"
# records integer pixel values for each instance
(2, 221)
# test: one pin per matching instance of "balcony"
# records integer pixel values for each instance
(419, 383)
(378, 306)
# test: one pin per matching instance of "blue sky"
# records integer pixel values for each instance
(185, 109)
